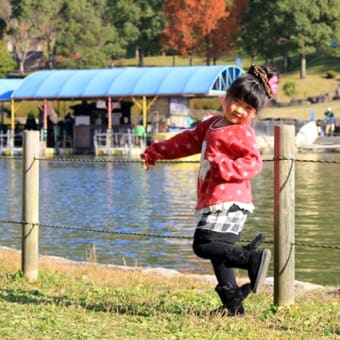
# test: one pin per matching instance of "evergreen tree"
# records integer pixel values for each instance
(138, 25)
(82, 43)
(7, 63)
(284, 27)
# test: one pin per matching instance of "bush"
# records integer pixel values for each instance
(330, 74)
(289, 89)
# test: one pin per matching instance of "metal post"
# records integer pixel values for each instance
(30, 205)
(284, 214)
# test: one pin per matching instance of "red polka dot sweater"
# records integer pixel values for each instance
(230, 158)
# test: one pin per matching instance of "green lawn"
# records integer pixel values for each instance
(72, 301)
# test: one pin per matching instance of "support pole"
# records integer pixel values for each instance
(30, 205)
(145, 112)
(284, 214)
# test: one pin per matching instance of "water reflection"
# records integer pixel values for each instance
(122, 197)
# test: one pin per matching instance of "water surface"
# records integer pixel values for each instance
(123, 198)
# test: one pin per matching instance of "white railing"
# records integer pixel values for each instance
(109, 141)
(266, 127)
(10, 140)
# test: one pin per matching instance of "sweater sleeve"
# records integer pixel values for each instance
(244, 164)
(185, 143)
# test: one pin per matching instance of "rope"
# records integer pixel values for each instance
(181, 237)
(175, 161)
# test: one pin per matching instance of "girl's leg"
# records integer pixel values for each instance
(230, 294)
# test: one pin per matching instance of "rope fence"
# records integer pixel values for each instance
(106, 230)
(284, 241)
(137, 161)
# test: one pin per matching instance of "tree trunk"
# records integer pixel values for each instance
(21, 66)
(190, 60)
(302, 66)
(140, 57)
(50, 63)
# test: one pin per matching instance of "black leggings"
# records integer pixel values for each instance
(215, 251)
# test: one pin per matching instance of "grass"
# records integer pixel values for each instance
(72, 301)
(315, 84)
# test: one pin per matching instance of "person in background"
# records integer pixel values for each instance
(31, 123)
(330, 122)
(230, 158)
(140, 132)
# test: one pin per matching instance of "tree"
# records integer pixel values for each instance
(138, 26)
(150, 27)
(223, 37)
(22, 30)
(309, 26)
(83, 43)
(6, 61)
(287, 27)
(5, 14)
(186, 32)
(120, 15)
(48, 18)
(258, 32)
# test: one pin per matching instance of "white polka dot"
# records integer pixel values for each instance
(239, 192)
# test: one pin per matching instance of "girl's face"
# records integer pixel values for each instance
(237, 111)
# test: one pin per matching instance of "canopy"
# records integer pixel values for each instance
(7, 86)
(128, 81)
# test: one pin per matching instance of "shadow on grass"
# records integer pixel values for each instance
(36, 297)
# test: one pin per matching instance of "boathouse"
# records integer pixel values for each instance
(161, 93)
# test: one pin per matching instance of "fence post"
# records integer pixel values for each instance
(30, 205)
(284, 214)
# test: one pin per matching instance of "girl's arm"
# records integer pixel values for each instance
(185, 143)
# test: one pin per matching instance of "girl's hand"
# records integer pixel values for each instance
(147, 161)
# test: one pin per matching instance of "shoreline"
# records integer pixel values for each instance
(300, 286)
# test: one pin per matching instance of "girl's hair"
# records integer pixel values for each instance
(255, 87)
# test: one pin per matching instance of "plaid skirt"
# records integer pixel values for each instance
(224, 221)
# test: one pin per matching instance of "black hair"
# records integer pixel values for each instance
(253, 86)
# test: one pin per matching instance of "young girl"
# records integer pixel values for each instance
(229, 160)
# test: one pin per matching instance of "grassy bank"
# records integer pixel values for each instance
(90, 302)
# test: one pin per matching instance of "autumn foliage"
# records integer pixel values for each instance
(201, 26)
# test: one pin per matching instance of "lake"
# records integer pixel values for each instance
(123, 198)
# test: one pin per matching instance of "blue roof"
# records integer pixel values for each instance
(7, 86)
(128, 81)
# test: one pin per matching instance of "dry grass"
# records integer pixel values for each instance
(89, 301)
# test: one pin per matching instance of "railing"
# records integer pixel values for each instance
(265, 127)
(284, 204)
(10, 140)
(284, 239)
(108, 141)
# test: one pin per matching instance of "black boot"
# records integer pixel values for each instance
(255, 261)
(232, 297)
(256, 242)
(258, 267)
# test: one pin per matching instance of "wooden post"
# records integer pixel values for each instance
(284, 214)
(30, 205)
